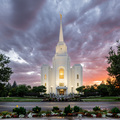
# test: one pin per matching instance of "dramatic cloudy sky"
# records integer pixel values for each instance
(29, 32)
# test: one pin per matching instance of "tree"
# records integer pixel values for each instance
(114, 63)
(39, 89)
(5, 72)
(103, 89)
(14, 84)
(80, 89)
(112, 88)
(22, 90)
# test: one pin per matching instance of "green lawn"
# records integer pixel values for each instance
(101, 99)
(19, 99)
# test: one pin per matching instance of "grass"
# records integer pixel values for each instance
(102, 99)
(19, 99)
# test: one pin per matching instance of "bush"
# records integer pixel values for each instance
(76, 109)
(99, 115)
(20, 110)
(55, 108)
(36, 109)
(97, 108)
(5, 113)
(67, 109)
(115, 110)
(88, 114)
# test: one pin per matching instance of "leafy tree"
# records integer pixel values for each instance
(14, 84)
(114, 63)
(22, 90)
(5, 72)
(13, 92)
(8, 88)
(80, 89)
(103, 89)
(39, 89)
(112, 89)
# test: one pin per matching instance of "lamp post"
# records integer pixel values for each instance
(51, 92)
(51, 88)
(72, 90)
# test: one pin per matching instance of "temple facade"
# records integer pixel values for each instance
(61, 78)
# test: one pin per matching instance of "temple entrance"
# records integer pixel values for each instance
(61, 92)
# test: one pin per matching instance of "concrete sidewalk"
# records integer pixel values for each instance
(72, 118)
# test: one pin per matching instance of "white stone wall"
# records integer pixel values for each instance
(45, 70)
(77, 76)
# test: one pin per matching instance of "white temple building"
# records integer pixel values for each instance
(61, 78)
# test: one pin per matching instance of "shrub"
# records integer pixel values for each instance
(20, 110)
(36, 109)
(96, 108)
(76, 109)
(88, 114)
(55, 108)
(48, 113)
(99, 115)
(5, 113)
(67, 109)
(115, 110)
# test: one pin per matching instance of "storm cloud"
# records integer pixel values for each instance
(29, 32)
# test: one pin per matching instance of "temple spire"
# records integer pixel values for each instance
(61, 32)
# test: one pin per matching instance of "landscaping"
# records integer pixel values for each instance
(76, 111)
(46, 99)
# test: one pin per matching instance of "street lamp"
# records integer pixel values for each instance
(51, 89)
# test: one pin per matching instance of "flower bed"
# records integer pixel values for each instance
(20, 112)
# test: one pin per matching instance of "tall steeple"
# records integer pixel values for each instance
(61, 32)
(61, 48)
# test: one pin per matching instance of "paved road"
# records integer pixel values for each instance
(8, 106)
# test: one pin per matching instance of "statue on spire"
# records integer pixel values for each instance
(60, 16)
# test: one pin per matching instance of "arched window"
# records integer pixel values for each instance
(45, 77)
(61, 73)
(77, 76)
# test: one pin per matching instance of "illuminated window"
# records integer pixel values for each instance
(45, 76)
(61, 84)
(45, 84)
(61, 73)
(77, 84)
(77, 76)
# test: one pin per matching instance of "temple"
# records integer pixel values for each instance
(61, 78)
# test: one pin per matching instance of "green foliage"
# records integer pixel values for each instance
(20, 110)
(76, 109)
(36, 109)
(96, 108)
(67, 109)
(39, 89)
(115, 110)
(114, 63)
(55, 108)
(80, 89)
(48, 112)
(14, 84)
(5, 73)
(112, 90)
(103, 90)
(22, 90)
(5, 113)
(5, 70)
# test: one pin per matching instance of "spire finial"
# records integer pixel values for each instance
(61, 32)
(60, 16)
